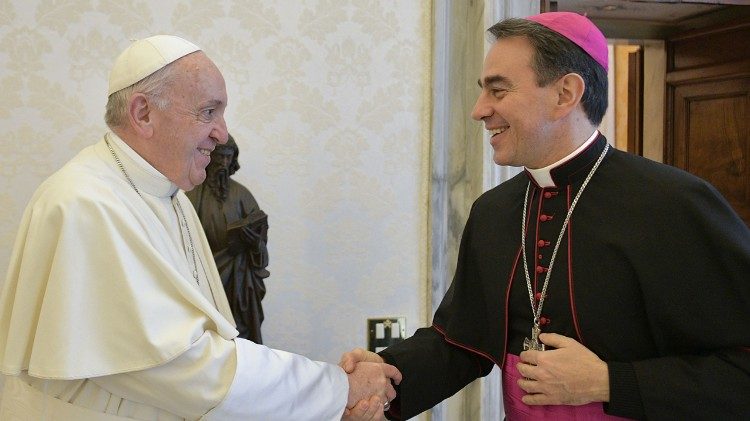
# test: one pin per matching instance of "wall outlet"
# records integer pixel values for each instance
(384, 332)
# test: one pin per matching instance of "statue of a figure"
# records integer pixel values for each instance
(237, 231)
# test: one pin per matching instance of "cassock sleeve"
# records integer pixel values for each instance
(435, 366)
(432, 369)
(217, 379)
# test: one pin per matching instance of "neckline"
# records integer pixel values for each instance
(148, 179)
(571, 168)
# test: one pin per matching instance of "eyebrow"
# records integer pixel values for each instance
(489, 80)
(212, 103)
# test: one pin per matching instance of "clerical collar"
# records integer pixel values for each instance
(548, 176)
(147, 178)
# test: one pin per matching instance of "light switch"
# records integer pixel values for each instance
(384, 332)
(379, 331)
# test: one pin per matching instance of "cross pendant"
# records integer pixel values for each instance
(533, 343)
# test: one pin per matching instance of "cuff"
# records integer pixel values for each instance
(394, 412)
(624, 394)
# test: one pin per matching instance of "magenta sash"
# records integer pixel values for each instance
(516, 410)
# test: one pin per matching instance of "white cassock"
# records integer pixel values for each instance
(102, 319)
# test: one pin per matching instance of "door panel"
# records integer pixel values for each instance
(708, 110)
(713, 133)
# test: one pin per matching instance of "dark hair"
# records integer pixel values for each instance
(556, 56)
(231, 144)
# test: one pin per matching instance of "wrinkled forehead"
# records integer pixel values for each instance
(200, 80)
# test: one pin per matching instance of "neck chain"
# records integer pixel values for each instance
(536, 310)
(177, 201)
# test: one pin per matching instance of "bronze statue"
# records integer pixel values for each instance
(237, 231)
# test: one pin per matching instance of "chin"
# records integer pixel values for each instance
(500, 160)
(194, 183)
(196, 178)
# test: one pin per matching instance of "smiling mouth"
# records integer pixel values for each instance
(206, 152)
(499, 130)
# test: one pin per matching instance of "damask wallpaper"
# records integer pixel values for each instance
(329, 101)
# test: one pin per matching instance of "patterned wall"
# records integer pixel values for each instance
(329, 102)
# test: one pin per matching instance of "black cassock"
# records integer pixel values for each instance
(652, 275)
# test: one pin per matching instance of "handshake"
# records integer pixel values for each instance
(370, 388)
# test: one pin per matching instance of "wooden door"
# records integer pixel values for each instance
(708, 109)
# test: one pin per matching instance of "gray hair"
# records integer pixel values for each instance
(154, 86)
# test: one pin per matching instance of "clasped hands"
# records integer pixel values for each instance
(370, 388)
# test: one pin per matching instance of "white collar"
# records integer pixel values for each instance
(542, 176)
(145, 177)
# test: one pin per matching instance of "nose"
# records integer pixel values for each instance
(481, 108)
(220, 133)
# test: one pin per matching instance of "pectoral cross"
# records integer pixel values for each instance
(533, 343)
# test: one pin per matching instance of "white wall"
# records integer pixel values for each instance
(329, 102)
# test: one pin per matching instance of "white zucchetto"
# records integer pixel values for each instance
(145, 56)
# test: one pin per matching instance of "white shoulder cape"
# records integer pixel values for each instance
(95, 286)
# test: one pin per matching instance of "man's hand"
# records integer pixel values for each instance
(369, 379)
(365, 410)
(351, 358)
(569, 375)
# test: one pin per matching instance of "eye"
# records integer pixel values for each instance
(207, 114)
(498, 92)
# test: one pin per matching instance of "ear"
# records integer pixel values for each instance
(569, 89)
(140, 116)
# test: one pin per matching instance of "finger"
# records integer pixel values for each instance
(530, 357)
(555, 340)
(538, 399)
(529, 386)
(347, 365)
(380, 413)
(392, 372)
(370, 408)
(361, 411)
(375, 409)
(390, 393)
(526, 370)
(350, 359)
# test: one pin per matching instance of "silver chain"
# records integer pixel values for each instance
(190, 239)
(182, 213)
(536, 311)
(122, 168)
